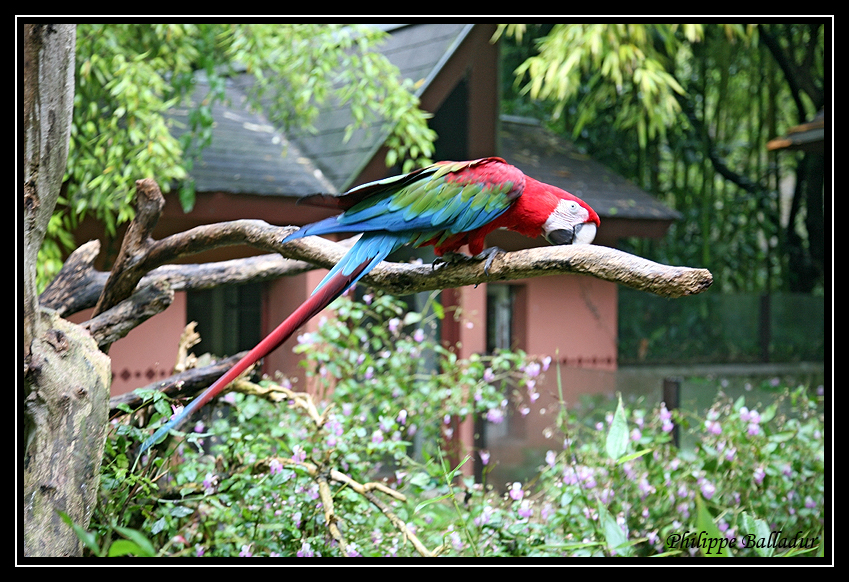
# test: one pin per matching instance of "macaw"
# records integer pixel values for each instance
(447, 205)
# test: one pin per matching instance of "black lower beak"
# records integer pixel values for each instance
(561, 237)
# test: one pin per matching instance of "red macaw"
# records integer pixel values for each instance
(447, 205)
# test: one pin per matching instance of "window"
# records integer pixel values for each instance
(228, 318)
(499, 317)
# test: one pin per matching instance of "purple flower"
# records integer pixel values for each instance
(551, 458)
(418, 336)
(708, 489)
(394, 324)
(488, 376)
(484, 455)
(525, 510)
(645, 488)
(299, 455)
(810, 503)
(377, 437)
(402, 418)
(246, 552)
(209, 483)
(516, 492)
(305, 551)
(495, 415)
(485, 516)
(275, 466)
(636, 434)
(759, 475)
(713, 427)
(532, 369)
(352, 551)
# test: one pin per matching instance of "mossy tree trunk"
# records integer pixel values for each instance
(66, 376)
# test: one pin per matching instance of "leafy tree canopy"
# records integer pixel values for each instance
(129, 75)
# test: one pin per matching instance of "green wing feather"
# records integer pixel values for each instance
(440, 200)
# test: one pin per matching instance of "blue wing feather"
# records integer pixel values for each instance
(413, 208)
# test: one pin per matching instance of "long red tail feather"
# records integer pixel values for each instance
(323, 297)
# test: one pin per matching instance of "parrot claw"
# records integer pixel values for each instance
(488, 255)
(452, 258)
(449, 258)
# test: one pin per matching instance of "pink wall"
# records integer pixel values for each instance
(149, 352)
(281, 298)
(572, 317)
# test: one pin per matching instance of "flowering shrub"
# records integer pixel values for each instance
(366, 466)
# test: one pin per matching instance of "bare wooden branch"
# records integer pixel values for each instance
(78, 284)
(129, 266)
(186, 383)
(601, 262)
(118, 321)
(188, 339)
(398, 278)
(143, 260)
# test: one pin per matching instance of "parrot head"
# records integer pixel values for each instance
(571, 222)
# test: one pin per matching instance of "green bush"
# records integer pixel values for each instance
(370, 468)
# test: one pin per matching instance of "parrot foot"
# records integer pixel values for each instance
(488, 255)
(451, 258)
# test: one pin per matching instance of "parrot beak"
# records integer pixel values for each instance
(582, 234)
(562, 236)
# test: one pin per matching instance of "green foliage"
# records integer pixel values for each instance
(718, 328)
(599, 66)
(251, 483)
(685, 112)
(128, 76)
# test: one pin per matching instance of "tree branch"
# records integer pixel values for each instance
(142, 264)
(186, 383)
(118, 321)
(400, 278)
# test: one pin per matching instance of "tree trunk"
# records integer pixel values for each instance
(66, 377)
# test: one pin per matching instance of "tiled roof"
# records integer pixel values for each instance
(556, 161)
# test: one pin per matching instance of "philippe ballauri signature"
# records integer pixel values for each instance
(704, 541)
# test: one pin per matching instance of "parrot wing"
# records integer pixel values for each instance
(440, 200)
